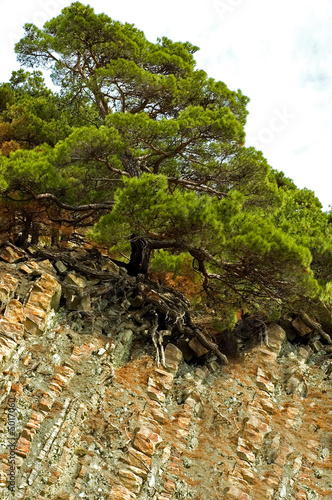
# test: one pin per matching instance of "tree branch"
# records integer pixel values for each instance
(77, 208)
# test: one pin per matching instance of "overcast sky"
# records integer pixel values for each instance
(279, 53)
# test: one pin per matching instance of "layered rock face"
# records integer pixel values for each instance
(85, 412)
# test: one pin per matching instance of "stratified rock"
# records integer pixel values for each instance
(60, 267)
(75, 279)
(267, 404)
(161, 379)
(234, 493)
(46, 266)
(155, 394)
(130, 480)
(13, 331)
(14, 312)
(121, 493)
(143, 473)
(44, 296)
(276, 337)
(292, 384)
(35, 319)
(146, 440)
(11, 254)
(301, 327)
(244, 450)
(51, 288)
(263, 382)
(247, 474)
(30, 268)
(7, 347)
(123, 346)
(73, 301)
(23, 447)
(8, 286)
(258, 425)
(159, 383)
(317, 346)
(201, 373)
(304, 353)
(187, 353)
(197, 347)
(138, 459)
(91, 419)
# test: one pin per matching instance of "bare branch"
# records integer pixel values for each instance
(77, 208)
(195, 186)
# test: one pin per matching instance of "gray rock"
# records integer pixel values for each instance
(60, 267)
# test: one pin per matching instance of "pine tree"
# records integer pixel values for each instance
(154, 162)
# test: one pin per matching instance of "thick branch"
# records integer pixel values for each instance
(76, 208)
(195, 186)
(316, 326)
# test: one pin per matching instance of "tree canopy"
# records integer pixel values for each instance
(139, 149)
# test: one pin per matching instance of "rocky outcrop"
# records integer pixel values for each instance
(90, 415)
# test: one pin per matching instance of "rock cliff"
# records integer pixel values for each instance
(87, 413)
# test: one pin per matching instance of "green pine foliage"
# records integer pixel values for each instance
(165, 261)
(30, 113)
(137, 141)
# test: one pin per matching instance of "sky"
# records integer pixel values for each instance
(279, 53)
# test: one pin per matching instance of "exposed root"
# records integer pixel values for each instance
(161, 310)
(153, 336)
(317, 327)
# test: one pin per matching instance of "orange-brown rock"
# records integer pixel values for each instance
(121, 493)
(130, 480)
(138, 459)
(11, 254)
(146, 440)
(13, 331)
(90, 426)
(173, 358)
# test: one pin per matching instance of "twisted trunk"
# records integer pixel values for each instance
(140, 256)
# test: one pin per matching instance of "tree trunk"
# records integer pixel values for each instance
(140, 256)
(162, 311)
(34, 233)
(23, 239)
(102, 104)
(55, 235)
(131, 164)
